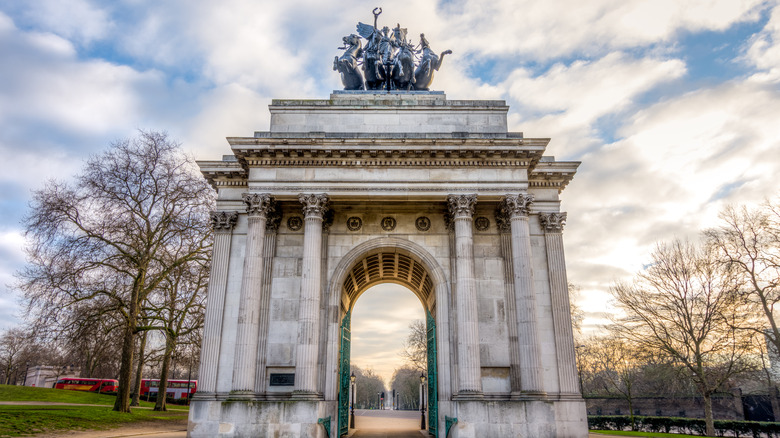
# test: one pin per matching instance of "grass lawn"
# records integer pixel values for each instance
(17, 421)
(646, 434)
(26, 420)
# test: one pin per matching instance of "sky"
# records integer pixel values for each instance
(672, 106)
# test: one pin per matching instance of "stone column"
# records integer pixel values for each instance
(258, 206)
(269, 249)
(461, 209)
(517, 207)
(314, 208)
(553, 223)
(222, 222)
(505, 231)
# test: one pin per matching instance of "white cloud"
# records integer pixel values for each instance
(567, 101)
(76, 20)
(764, 49)
(545, 30)
(679, 163)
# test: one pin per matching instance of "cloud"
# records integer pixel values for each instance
(74, 20)
(764, 49)
(568, 100)
(542, 31)
(380, 325)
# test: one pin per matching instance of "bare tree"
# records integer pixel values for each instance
(683, 305)
(115, 233)
(406, 382)
(368, 384)
(12, 345)
(415, 350)
(179, 309)
(615, 364)
(748, 243)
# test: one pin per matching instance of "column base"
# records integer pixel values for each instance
(204, 396)
(468, 395)
(528, 395)
(241, 395)
(306, 395)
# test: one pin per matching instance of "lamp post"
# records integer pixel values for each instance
(352, 414)
(422, 401)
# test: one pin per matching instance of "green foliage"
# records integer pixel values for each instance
(692, 426)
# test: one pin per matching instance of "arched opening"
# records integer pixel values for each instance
(382, 261)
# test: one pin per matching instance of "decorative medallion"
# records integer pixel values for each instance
(388, 223)
(422, 223)
(294, 223)
(354, 223)
(482, 223)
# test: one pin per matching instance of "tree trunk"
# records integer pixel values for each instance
(122, 403)
(631, 412)
(708, 420)
(139, 371)
(163, 389)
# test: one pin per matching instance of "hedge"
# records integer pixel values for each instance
(690, 426)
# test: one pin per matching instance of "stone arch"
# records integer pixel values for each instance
(387, 260)
(434, 298)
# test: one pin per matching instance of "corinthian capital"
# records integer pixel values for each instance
(462, 205)
(259, 204)
(314, 204)
(552, 222)
(518, 205)
(223, 220)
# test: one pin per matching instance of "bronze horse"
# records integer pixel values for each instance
(428, 64)
(347, 65)
(403, 64)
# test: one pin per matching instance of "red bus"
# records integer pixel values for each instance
(103, 386)
(177, 389)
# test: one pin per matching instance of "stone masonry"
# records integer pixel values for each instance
(411, 188)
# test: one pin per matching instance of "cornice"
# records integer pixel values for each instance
(224, 173)
(552, 174)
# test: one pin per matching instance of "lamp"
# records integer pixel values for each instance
(352, 413)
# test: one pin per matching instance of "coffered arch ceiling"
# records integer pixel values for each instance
(388, 266)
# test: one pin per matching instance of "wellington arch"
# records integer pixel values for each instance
(369, 187)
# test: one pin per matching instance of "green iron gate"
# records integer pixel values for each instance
(433, 405)
(344, 382)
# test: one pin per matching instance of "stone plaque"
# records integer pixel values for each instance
(278, 379)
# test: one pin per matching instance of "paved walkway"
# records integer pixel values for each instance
(369, 423)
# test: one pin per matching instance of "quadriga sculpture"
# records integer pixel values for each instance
(423, 76)
(388, 61)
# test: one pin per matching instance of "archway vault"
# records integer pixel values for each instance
(388, 266)
(388, 260)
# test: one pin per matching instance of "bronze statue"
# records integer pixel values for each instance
(372, 61)
(429, 62)
(403, 64)
(388, 61)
